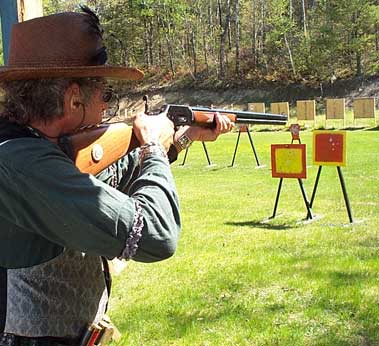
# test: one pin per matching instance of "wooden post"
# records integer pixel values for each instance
(8, 13)
(29, 9)
(13, 11)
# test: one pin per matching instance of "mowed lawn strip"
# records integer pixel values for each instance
(238, 280)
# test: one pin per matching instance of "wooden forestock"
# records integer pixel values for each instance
(94, 149)
(206, 119)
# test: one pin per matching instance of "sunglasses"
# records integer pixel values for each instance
(107, 90)
(111, 97)
(108, 94)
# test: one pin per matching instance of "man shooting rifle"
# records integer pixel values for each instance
(58, 224)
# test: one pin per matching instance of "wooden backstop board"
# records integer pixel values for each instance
(280, 108)
(364, 107)
(335, 108)
(306, 110)
(258, 107)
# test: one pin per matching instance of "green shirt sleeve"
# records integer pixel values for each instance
(46, 195)
(122, 173)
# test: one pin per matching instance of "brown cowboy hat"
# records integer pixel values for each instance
(64, 45)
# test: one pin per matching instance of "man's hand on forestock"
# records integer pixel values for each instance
(153, 128)
(197, 133)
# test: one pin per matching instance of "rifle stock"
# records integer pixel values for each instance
(94, 149)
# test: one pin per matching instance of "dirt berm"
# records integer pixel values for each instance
(267, 93)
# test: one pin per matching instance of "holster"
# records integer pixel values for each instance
(100, 334)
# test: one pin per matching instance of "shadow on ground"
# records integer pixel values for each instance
(262, 224)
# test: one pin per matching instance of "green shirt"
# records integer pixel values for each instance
(47, 204)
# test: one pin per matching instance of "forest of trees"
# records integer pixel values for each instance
(237, 40)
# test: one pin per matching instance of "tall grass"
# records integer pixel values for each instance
(239, 280)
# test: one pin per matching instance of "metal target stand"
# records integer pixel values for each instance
(336, 161)
(245, 128)
(343, 187)
(206, 154)
(295, 133)
(308, 204)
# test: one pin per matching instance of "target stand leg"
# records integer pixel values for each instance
(345, 196)
(235, 149)
(252, 146)
(305, 198)
(277, 198)
(206, 154)
(314, 189)
(185, 157)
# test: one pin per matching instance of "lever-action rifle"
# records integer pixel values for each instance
(94, 149)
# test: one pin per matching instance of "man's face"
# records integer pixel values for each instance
(95, 107)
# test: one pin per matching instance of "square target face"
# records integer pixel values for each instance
(288, 161)
(329, 148)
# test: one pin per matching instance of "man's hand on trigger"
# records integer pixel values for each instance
(152, 128)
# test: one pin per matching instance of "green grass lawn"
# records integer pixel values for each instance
(238, 280)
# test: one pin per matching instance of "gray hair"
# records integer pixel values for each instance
(26, 101)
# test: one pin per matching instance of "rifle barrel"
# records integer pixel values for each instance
(246, 117)
(260, 121)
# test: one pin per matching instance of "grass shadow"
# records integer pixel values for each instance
(261, 224)
(354, 128)
(375, 128)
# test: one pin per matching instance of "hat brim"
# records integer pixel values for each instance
(112, 72)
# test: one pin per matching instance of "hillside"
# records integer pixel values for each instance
(239, 96)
